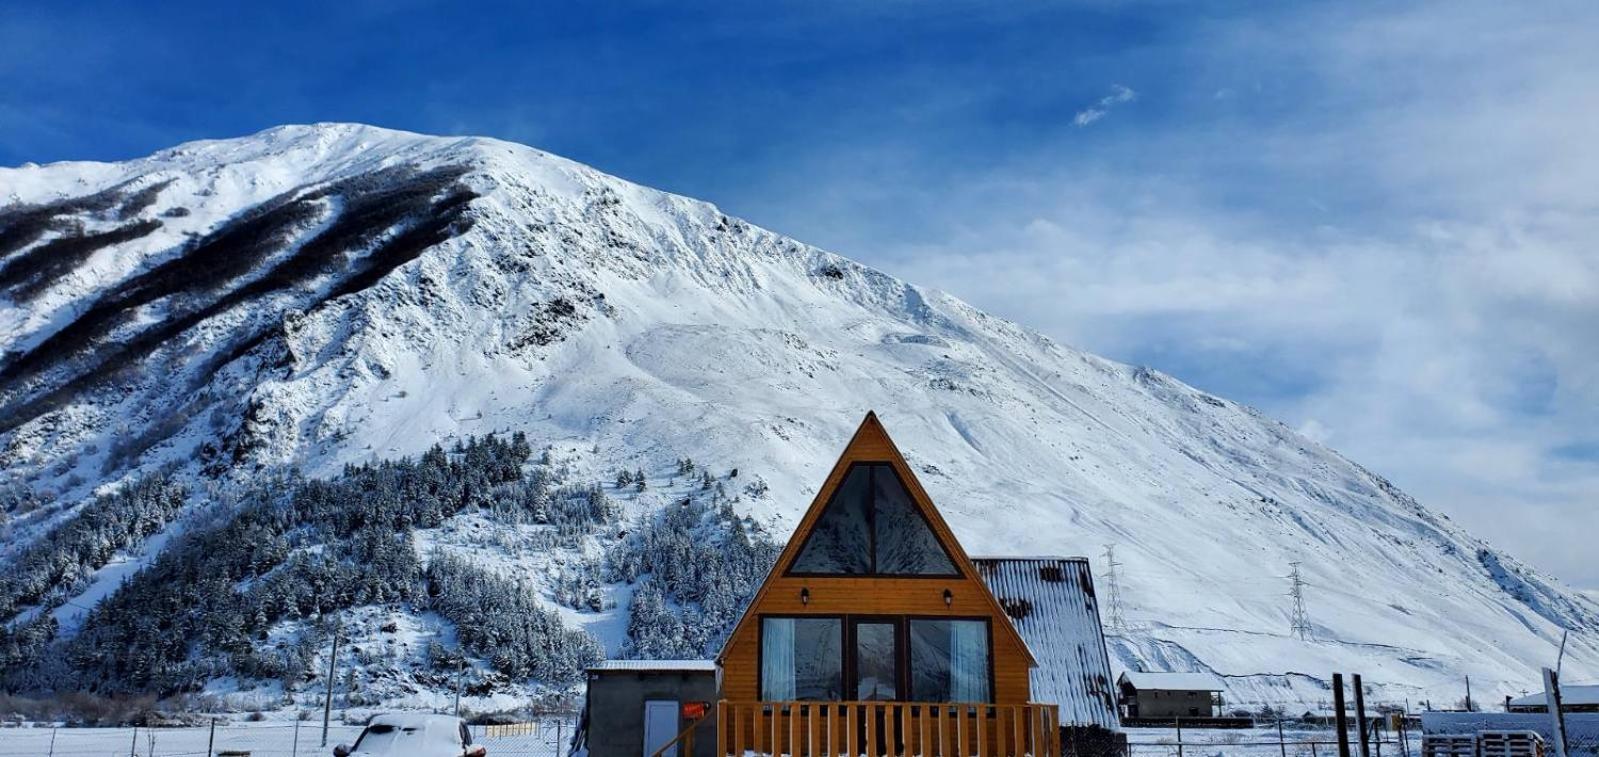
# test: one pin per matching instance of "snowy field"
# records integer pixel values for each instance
(257, 739)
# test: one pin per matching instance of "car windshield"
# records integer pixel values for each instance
(409, 740)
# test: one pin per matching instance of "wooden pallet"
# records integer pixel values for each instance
(1449, 745)
(1509, 744)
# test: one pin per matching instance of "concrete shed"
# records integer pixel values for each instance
(632, 707)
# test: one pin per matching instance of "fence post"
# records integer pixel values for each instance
(211, 741)
(52, 741)
(1282, 743)
(1340, 717)
(133, 746)
(294, 751)
(1179, 722)
(1551, 694)
(1360, 716)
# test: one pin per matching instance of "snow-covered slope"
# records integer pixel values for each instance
(317, 295)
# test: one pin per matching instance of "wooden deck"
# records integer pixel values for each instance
(854, 729)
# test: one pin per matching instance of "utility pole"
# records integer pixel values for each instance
(1300, 624)
(1118, 622)
(460, 673)
(327, 700)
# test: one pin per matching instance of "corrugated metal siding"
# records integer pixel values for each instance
(692, 666)
(1059, 619)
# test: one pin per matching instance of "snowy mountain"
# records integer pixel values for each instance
(315, 296)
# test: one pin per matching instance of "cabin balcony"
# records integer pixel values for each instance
(868, 729)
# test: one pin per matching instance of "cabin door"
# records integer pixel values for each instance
(876, 658)
(875, 668)
(660, 726)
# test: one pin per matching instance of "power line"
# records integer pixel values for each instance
(1118, 623)
(1300, 625)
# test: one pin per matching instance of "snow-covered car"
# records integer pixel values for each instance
(411, 734)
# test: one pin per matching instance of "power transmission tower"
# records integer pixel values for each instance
(1118, 623)
(1300, 625)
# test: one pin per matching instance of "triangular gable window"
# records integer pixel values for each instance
(871, 526)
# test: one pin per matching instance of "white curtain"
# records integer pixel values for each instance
(968, 661)
(777, 659)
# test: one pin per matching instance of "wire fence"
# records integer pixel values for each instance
(545, 737)
(1263, 742)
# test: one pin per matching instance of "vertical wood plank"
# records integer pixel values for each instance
(852, 725)
(1017, 722)
(999, 732)
(905, 730)
(1037, 727)
(738, 730)
(1054, 730)
(943, 731)
(926, 715)
(960, 731)
(832, 730)
(813, 745)
(982, 731)
(721, 728)
(869, 712)
(777, 712)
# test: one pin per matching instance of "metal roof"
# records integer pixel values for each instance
(1173, 681)
(1050, 601)
(692, 666)
(1570, 694)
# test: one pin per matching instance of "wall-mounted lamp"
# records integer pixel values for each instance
(805, 596)
(949, 598)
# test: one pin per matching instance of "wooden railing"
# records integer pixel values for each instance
(911, 729)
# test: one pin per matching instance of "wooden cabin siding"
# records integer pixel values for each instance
(830, 596)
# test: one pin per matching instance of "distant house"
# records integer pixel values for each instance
(1159, 696)
(1579, 698)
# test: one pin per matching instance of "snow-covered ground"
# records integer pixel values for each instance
(262, 739)
(596, 314)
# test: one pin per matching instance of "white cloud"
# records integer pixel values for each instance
(1119, 94)
(1390, 243)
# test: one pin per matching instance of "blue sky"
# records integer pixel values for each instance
(1375, 221)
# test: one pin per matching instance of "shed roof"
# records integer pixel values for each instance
(1051, 602)
(691, 666)
(1570, 694)
(1173, 681)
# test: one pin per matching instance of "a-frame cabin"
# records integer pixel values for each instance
(875, 634)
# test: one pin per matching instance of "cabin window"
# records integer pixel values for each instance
(871, 526)
(802, 659)
(949, 660)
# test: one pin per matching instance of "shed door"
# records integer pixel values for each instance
(660, 726)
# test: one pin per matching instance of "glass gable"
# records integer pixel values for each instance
(841, 541)
(870, 526)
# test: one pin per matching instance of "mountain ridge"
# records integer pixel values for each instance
(543, 296)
